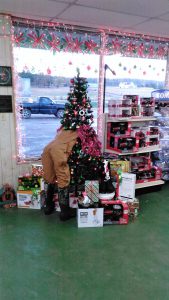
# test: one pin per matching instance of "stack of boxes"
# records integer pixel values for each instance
(30, 189)
(147, 106)
(124, 137)
(124, 108)
(131, 106)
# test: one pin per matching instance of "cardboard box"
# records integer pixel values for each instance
(37, 170)
(127, 186)
(28, 183)
(29, 199)
(115, 212)
(90, 217)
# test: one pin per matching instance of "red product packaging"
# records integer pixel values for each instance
(115, 212)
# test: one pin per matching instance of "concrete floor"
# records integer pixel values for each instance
(44, 259)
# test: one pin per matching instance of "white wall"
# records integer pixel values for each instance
(9, 169)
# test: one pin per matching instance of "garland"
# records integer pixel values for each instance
(89, 141)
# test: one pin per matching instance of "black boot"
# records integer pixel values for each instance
(66, 212)
(50, 205)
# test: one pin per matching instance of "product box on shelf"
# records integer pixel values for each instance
(119, 103)
(134, 99)
(121, 144)
(119, 112)
(140, 163)
(147, 101)
(115, 212)
(37, 170)
(155, 173)
(29, 199)
(154, 130)
(90, 217)
(119, 128)
(119, 165)
(147, 111)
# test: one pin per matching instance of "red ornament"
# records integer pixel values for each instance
(70, 63)
(49, 71)
(88, 68)
(144, 73)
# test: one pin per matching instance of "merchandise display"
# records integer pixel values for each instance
(161, 158)
(134, 139)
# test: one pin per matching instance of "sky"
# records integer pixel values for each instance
(65, 64)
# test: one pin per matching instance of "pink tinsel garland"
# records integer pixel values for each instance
(89, 140)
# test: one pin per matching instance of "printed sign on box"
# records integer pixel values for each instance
(90, 217)
(28, 199)
(127, 186)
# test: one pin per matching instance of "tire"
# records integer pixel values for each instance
(26, 113)
(59, 113)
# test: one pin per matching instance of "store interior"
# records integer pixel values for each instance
(86, 215)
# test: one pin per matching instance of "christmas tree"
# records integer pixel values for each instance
(85, 157)
(86, 161)
(78, 108)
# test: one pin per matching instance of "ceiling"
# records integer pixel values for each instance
(150, 17)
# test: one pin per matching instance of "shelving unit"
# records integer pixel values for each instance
(134, 122)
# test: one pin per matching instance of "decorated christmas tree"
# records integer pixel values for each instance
(78, 108)
(85, 157)
(86, 161)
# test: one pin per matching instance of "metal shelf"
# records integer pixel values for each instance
(149, 184)
(145, 150)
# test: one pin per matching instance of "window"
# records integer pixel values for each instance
(40, 74)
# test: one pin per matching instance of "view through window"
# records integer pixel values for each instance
(44, 76)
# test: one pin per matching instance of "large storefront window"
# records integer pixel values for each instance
(47, 56)
(42, 76)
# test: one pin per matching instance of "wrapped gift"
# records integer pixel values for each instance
(133, 208)
(37, 170)
(92, 189)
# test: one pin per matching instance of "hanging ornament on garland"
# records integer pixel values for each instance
(49, 71)
(88, 68)
(70, 62)
(144, 73)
